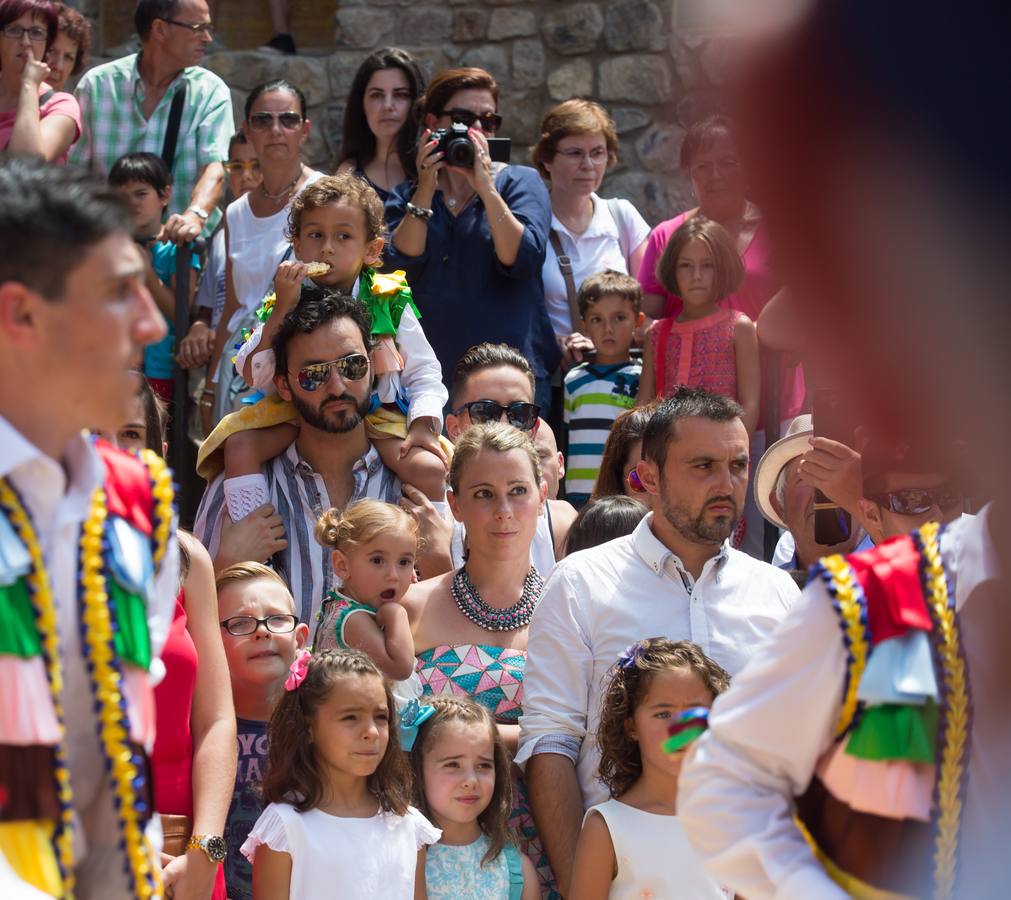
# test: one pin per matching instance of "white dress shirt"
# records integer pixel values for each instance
(600, 600)
(57, 498)
(769, 730)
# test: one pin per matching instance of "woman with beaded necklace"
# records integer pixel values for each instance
(470, 626)
(256, 224)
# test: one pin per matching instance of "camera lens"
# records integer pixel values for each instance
(459, 152)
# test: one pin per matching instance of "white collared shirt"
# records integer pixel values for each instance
(769, 730)
(600, 600)
(57, 498)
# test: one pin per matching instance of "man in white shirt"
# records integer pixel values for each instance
(74, 317)
(675, 576)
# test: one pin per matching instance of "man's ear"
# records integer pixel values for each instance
(282, 385)
(649, 475)
(453, 427)
(870, 513)
(561, 465)
(19, 319)
(301, 635)
(775, 504)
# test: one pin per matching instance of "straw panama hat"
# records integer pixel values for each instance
(787, 448)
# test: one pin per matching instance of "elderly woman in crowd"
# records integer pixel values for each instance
(255, 224)
(470, 626)
(578, 144)
(378, 137)
(472, 238)
(34, 118)
(68, 53)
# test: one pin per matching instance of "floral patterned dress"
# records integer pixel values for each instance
(493, 676)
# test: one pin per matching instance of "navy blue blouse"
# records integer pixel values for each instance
(466, 296)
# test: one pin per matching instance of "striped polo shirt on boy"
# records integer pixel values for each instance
(594, 397)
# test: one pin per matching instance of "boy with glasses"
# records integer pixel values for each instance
(261, 635)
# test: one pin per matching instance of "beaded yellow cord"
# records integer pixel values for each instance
(164, 495)
(845, 591)
(107, 683)
(955, 725)
(41, 593)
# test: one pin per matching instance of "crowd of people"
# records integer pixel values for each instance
(489, 470)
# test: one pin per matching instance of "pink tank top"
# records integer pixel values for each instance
(698, 354)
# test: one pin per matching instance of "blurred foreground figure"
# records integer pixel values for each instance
(867, 746)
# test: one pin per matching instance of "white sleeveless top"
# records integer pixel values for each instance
(256, 247)
(542, 548)
(654, 857)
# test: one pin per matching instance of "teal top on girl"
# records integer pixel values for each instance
(452, 872)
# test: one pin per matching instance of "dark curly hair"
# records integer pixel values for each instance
(494, 820)
(620, 760)
(294, 774)
(344, 188)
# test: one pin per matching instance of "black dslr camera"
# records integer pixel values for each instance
(457, 150)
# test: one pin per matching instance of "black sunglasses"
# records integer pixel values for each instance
(490, 122)
(277, 624)
(518, 414)
(193, 27)
(264, 121)
(352, 367)
(917, 501)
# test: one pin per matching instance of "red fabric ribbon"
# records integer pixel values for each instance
(890, 577)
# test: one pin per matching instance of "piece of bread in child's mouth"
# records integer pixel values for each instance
(317, 268)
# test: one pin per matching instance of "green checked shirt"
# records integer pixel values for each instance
(112, 124)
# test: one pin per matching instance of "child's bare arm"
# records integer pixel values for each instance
(386, 639)
(749, 371)
(595, 865)
(418, 467)
(247, 451)
(287, 287)
(271, 874)
(647, 381)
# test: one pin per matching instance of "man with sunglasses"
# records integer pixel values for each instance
(491, 383)
(126, 107)
(322, 359)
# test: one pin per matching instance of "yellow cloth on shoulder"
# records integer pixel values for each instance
(27, 846)
(270, 411)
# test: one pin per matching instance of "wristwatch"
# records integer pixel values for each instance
(213, 845)
(197, 211)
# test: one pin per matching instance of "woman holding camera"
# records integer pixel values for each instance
(472, 235)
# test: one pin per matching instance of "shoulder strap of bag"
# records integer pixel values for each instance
(515, 865)
(168, 150)
(565, 264)
(612, 207)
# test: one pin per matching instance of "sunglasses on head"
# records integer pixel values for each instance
(490, 122)
(917, 501)
(264, 121)
(242, 165)
(519, 414)
(352, 367)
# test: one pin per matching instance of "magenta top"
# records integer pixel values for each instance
(750, 298)
(59, 104)
(699, 353)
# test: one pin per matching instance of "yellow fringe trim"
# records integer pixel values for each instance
(844, 586)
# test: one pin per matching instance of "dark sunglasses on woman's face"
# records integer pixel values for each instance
(276, 624)
(264, 121)
(917, 501)
(352, 367)
(520, 415)
(490, 122)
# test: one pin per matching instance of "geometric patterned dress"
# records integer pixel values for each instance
(493, 676)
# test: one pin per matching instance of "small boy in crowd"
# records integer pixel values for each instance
(261, 634)
(596, 392)
(146, 183)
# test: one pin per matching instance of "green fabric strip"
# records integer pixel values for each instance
(133, 643)
(894, 732)
(386, 310)
(18, 636)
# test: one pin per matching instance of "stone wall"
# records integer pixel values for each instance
(644, 60)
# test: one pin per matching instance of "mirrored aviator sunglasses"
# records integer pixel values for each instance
(520, 415)
(352, 367)
(917, 501)
(264, 121)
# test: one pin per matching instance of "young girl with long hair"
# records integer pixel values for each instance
(339, 821)
(632, 845)
(708, 345)
(463, 783)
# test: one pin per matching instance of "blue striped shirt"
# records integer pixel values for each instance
(594, 397)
